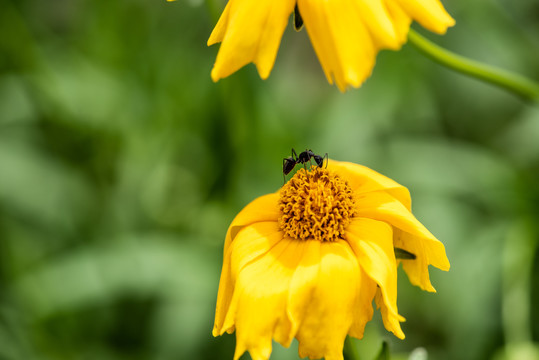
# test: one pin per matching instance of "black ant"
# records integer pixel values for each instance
(290, 162)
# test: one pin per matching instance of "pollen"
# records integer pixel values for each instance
(316, 204)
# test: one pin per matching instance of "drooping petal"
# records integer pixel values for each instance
(260, 211)
(415, 238)
(400, 19)
(250, 31)
(219, 31)
(252, 242)
(429, 13)
(263, 208)
(363, 310)
(329, 314)
(417, 270)
(258, 307)
(376, 17)
(372, 242)
(362, 179)
(341, 40)
(303, 283)
(387, 316)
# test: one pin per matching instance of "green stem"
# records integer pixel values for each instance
(515, 83)
(349, 351)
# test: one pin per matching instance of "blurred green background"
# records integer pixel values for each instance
(122, 164)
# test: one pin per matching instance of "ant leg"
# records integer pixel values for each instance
(327, 159)
(294, 155)
(284, 177)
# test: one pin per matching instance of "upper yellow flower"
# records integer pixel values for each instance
(346, 34)
(307, 261)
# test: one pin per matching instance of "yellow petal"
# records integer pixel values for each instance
(328, 315)
(417, 270)
(414, 237)
(219, 31)
(252, 33)
(384, 310)
(305, 279)
(264, 208)
(429, 13)
(259, 303)
(363, 308)
(340, 39)
(375, 15)
(251, 242)
(303, 282)
(400, 19)
(362, 179)
(260, 210)
(372, 242)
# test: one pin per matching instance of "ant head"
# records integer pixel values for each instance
(319, 160)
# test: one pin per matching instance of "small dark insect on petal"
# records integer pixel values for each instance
(403, 254)
(298, 20)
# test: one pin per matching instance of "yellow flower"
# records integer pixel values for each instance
(307, 261)
(346, 34)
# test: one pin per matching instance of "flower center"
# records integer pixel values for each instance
(316, 204)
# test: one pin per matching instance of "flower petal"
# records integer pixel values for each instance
(400, 19)
(328, 314)
(258, 308)
(362, 179)
(340, 39)
(372, 242)
(252, 33)
(375, 15)
(384, 310)
(252, 242)
(363, 308)
(429, 13)
(303, 283)
(219, 31)
(414, 237)
(417, 270)
(263, 208)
